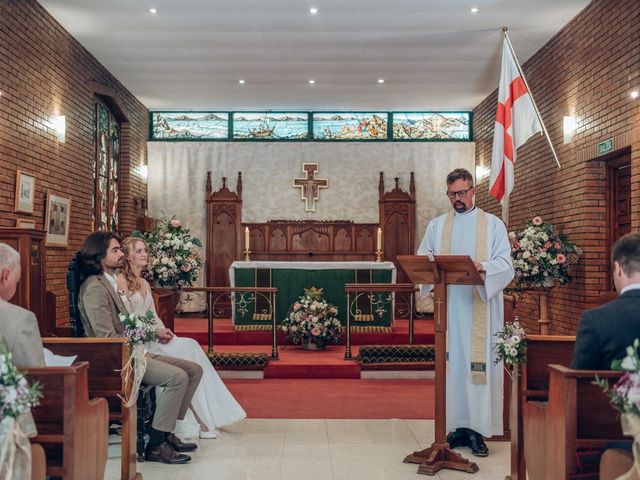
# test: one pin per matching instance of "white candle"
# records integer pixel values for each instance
(246, 238)
(379, 242)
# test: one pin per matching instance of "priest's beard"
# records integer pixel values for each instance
(459, 207)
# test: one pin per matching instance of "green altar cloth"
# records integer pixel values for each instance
(291, 278)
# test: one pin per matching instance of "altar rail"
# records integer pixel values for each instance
(219, 298)
(401, 293)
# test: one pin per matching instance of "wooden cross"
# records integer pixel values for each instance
(310, 186)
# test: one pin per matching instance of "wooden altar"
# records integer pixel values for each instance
(306, 240)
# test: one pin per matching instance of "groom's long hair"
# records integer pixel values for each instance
(93, 250)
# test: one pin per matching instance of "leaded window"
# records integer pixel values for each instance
(105, 169)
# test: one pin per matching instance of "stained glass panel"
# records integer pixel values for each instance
(271, 126)
(105, 173)
(432, 126)
(350, 126)
(189, 126)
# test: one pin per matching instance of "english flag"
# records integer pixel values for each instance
(516, 122)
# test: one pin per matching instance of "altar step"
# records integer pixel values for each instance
(225, 333)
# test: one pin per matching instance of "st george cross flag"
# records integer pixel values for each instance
(516, 122)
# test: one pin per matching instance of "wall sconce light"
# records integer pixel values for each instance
(568, 128)
(60, 125)
(482, 172)
(144, 170)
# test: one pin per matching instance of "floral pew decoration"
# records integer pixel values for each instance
(17, 398)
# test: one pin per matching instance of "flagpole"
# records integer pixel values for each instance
(535, 107)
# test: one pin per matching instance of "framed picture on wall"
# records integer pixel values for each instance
(57, 220)
(25, 192)
(25, 223)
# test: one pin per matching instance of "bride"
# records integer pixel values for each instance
(212, 406)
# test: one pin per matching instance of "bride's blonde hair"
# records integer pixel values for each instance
(128, 246)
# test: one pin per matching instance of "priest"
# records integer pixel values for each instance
(475, 313)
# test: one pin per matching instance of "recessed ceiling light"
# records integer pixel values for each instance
(153, 11)
(381, 80)
(241, 82)
(634, 94)
(313, 11)
(475, 10)
(312, 81)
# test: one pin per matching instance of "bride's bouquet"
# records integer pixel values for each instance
(138, 329)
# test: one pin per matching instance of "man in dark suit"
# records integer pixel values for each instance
(605, 332)
(100, 305)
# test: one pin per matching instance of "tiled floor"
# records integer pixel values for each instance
(264, 449)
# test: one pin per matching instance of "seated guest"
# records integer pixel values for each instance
(18, 327)
(605, 332)
(100, 306)
(212, 405)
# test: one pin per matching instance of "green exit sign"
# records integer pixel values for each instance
(605, 147)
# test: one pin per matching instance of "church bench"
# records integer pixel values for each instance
(106, 357)
(72, 429)
(533, 388)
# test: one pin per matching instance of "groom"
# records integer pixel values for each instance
(100, 305)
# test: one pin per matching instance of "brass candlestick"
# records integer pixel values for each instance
(246, 255)
(379, 255)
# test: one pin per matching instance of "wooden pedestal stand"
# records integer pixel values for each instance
(440, 271)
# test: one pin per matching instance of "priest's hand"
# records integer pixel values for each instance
(480, 269)
(165, 335)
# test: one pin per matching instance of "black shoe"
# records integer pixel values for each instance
(459, 438)
(476, 442)
(166, 454)
(179, 445)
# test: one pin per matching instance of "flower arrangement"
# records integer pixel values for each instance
(312, 320)
(139, 329)
(16, 395)
(541, 255)
(625, 394)
(176, 256)
(511, 345)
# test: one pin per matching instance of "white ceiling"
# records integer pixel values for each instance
(432, 54)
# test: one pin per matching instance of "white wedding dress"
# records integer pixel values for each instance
(212, 402)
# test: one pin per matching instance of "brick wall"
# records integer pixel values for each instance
(45, 72)
(588, 70)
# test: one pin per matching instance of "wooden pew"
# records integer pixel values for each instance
(72, 429)
(107, 356)
(578, 416)
(533, 387)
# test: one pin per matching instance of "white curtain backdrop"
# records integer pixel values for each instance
(177, 175)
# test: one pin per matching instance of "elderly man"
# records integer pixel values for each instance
(18, 327)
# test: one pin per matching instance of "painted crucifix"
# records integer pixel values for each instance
(310, 186)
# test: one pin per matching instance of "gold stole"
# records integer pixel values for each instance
(479, 308)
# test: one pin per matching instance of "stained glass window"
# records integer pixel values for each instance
(189, 126)
(271, 126)
(105, 170)
(350, 126)
(432, 126)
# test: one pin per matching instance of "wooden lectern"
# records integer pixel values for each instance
(440, 271)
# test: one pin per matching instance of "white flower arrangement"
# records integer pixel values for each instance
(139, 329)
(176, 256)
(312, 320)
(16, 395)
(511, 345)
(540, 255)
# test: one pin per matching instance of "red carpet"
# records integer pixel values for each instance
(353, 399)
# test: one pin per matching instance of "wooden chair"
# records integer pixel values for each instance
(38, 462)
(72, 429)
(107, 356)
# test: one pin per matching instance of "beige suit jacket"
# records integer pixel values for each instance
(20, 332)
(100, 307)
